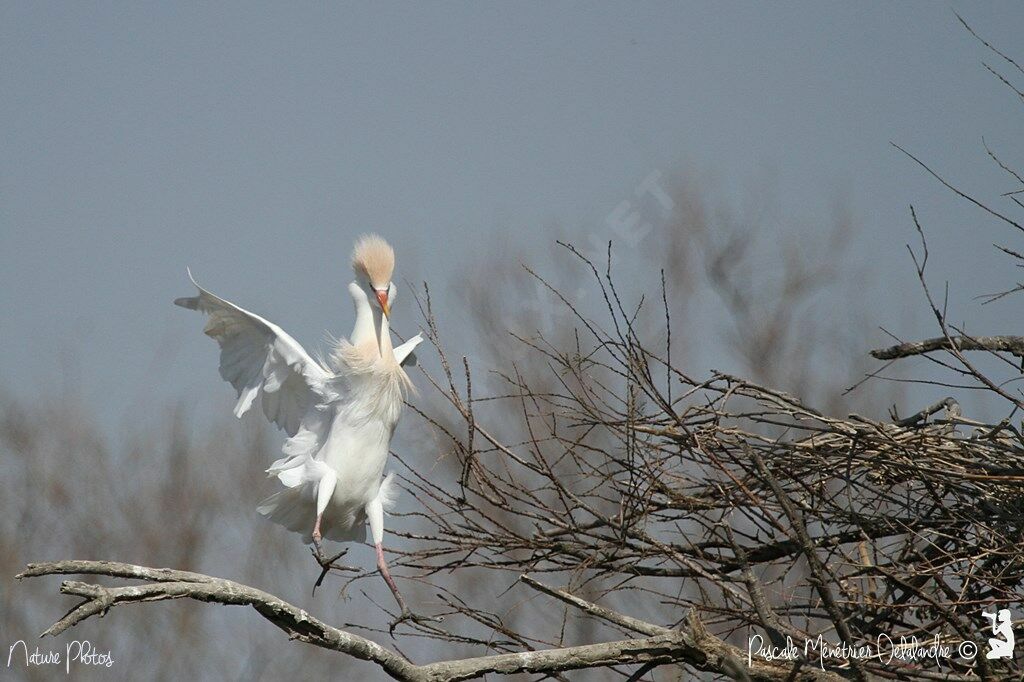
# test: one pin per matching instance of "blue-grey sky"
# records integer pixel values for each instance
(253, 141)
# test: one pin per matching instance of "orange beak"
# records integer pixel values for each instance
(382, 298)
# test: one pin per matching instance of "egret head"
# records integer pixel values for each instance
(373, 260)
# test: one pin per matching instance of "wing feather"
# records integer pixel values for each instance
(404, 354)
(260, 360)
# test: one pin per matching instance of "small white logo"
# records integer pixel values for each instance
(1000, 646)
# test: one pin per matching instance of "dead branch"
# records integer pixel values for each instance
(691, 645)
(996, 344)
(165, 583)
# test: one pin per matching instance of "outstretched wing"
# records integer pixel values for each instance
(261, 361)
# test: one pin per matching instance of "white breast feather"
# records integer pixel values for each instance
(374, 387)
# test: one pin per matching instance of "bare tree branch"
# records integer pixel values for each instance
(171, 584)
(663, 645)
(1003, 344)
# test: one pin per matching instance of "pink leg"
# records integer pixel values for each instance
(383, 566)
(317, 537)
(318, 550)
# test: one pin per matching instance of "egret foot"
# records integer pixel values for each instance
(326, 562)
(409, 616)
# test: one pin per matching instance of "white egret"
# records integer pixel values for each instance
(339, 412)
